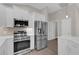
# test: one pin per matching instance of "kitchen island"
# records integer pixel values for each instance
(68, 45)
(6, 45)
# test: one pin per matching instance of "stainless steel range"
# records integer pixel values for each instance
(21, 40)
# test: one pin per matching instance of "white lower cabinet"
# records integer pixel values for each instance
(62, 43)
(2, 50)
(7, 47)
(72, 48)
(68, 47)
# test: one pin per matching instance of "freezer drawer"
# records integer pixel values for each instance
(44, 43)
(39, 44)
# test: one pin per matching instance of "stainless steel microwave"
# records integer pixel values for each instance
(20, 22)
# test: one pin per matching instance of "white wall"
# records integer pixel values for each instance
(51, 30)
(76, 21)
(66, 27)
(73, 13)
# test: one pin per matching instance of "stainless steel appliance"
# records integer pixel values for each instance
(21, 40)
(41, 35)
(21, 45)
(20, 23)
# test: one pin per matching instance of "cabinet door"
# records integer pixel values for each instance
(10, 21)
(72, 48)
(62, 46)
(44, 43)
(2, 49)
(9, 47)
(38, 43)
(2, 16)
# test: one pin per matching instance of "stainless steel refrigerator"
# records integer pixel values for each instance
(41, 34)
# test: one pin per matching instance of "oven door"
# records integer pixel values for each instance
(21, 45)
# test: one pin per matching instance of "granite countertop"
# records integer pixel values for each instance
(7, 36)
(72, 38)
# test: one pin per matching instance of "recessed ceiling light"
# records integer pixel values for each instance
(67, 16)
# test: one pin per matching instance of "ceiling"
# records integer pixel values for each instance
(52, 7)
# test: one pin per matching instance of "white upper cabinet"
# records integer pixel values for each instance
(6, 18)
(20, 14)
(7, 15)
(16, 14)
(9, 20)
(40, 17)
(2, 16)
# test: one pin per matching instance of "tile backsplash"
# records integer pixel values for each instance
(6, 31)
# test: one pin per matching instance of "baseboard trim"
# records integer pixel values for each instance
(53, 39)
